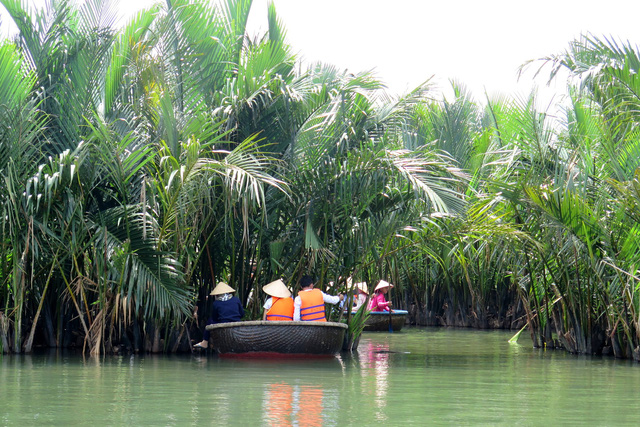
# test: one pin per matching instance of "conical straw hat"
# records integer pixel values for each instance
(383, 284)
(222, 288)
(277, 289)
(362, 287)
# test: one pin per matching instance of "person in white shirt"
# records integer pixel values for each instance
(309, 304)
(361, 295)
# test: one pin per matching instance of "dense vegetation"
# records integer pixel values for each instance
(141, 165)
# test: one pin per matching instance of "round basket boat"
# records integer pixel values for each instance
(379, 320)
(262, 338)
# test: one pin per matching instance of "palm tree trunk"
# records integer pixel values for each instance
(4, 329)
(29, 343)
(21, 275)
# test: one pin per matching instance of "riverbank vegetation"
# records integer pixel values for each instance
(140, 165)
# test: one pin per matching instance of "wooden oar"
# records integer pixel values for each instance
(390, 325)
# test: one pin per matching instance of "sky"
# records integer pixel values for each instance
(479, 43)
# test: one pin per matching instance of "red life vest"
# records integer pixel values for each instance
(281, 309)
(312, 305)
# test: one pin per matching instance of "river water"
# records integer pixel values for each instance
(420, 376)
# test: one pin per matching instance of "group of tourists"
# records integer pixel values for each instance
(280, 306)
(307, 306)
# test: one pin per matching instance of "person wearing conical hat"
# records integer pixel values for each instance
(225, 308)
(361, 293)
(279, 305)
(379, 302)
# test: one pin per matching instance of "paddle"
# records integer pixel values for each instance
(390, 325)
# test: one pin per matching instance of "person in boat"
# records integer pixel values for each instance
(379, 302)
(279, 306)
(225, 308)
(309, 304)
(361, 295)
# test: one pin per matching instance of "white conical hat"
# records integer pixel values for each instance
(383, 284)
(222, 288)
(277, 289)
(362, 287)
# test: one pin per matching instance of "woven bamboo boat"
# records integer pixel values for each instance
(379, 320)
(265, 339)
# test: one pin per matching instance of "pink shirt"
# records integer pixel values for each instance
(378, 303)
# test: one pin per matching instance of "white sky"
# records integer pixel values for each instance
(480, 43)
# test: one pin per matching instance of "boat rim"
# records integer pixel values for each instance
(386, 313)
(310, 324)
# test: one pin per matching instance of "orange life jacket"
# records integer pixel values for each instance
(312, 305)
(281, 309)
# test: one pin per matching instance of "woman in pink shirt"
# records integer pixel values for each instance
(379, 302)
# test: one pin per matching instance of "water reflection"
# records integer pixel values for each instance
(287, 404)
(279, 404)
(417, 377)
(309, 409)
(374, 361)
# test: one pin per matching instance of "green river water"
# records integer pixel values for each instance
(420, 376)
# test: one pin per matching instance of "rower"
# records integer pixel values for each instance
(224, 309)
(379, 302)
